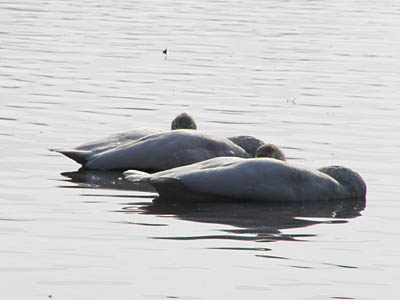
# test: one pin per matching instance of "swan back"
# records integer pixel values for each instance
(259, 179)
(116, 139)
(165, 151)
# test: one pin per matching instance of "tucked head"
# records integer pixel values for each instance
(350, 180)
(272, 151)
(183, 121)
(247, 142)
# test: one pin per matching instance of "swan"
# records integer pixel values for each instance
(160, 151)
(258, 179)
(181, 121)
(87, 151)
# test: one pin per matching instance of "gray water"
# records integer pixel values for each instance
(318, 78)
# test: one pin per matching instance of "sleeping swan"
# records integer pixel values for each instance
(87, 151)
(160, 151)
(258, 179)
(181, 121)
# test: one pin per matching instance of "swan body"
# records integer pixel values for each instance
(181, 121)
(90, 151)
(160, 151)
(258, 179)
(116, 140)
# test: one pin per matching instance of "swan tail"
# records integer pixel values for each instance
(136, 175)
(80, 156)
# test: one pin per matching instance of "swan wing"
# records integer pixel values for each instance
(165, 151)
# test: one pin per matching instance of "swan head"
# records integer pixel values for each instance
(349, 179)
(249, 143)
(272, 151)
(183, 121)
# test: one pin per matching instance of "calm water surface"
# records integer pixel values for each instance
(318, 78)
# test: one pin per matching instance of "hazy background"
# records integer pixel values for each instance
(318, 78)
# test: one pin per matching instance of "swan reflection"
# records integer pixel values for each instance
(262, 222)
(105, 180)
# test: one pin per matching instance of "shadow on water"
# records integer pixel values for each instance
(251, 221)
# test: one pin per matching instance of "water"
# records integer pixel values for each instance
(319, 79)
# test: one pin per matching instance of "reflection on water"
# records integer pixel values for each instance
(260, 222)
(263, 221)
(104, 179)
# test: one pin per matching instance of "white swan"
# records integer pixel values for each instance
(160, 151)
(181, 121)
(259, 179)
(87, 151)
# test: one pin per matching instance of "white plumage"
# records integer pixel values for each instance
(260, 179)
